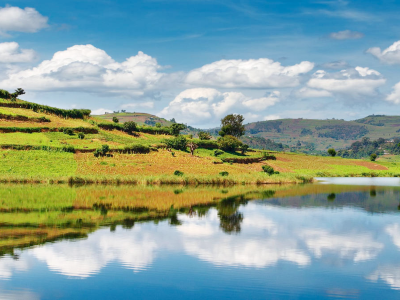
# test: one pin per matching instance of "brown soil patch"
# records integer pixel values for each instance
(370, 165)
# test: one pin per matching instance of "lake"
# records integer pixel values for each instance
(339, 238)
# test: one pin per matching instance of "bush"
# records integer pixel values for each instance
(115, 120)
(178, 173)
(204, 135)
(268, 169)
(229, 143)
(137, 149)
(177, 143)
(224, 173)
(68, 149)
(218, 152)
(332, 152)
(102, 151)
(4, 94)
(69, 131)
(81, 135)
(206, 144)
(373, 157)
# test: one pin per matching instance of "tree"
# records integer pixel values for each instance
(232, 125)
(176, 128)
(158, 125)
(244, 148)
(373, 157)
(18, 92)
(204, 135)
(130, 127)
(192, 146)
(115, 120)
(332, 152)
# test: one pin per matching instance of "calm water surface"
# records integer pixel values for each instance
(302, 242)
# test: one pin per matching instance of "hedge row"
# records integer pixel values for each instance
(45, 148)
(24, 118)
(144, 129)
(206, 144)
(86, 130)
(248, 160)
(65, 113)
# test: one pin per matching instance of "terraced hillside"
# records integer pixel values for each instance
(140, 118)
(324, 134)
(46, 144)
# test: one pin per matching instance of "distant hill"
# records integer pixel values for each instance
(320, 135)
(140, 118)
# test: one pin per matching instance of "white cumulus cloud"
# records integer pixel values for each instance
(253, 73)
(200, 105)
(346, 35)
(395, 95)
(85, 68)
(11, 53)
(390, 55)
(353, 82)
(21, 20)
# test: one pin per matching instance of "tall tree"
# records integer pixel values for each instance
(232, 125)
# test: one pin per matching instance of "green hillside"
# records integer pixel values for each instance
(323, 134)
(139, 118)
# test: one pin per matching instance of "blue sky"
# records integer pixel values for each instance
(200, 60)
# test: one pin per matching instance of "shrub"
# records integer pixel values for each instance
(4, 94)
(229, 143)
(102, 151)
(130, 127)
(373, 157)
(177, 143)
(218, 152)
(268, 169)
(115, 120)
(224, 173)
(178, 173)
(81, 135)
(332, 152)
(244, 148)
(68, 148)
(206, 144)
(137, 149)
(69, 131)
(204, 135)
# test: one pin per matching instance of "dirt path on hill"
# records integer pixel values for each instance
(370, 165)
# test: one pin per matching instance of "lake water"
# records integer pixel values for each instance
(335, 239)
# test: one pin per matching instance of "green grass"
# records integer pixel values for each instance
(37, 163)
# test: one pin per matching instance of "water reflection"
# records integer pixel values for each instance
(351, 232)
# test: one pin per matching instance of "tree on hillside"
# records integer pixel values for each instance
(373, 157)
(232, 125)
(115, 119)
(176, 128)
(130, 127)
(192, 146)
(332, 152)
(18, 92)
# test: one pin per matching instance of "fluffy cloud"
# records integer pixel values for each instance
(346, 35)
(253, 73)
(395, 95)
(197, 105)
(355, 82)
(101, 111)
(11, 53)
(86, 68)
(146, 105)
(21, 20)
(306, 92)
(389, 56)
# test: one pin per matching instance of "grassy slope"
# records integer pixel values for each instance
(291, 131)
(158, 166)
